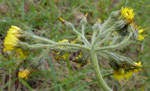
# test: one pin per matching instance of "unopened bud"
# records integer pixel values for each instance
(84, 20)
(97, 26)
(66, 22)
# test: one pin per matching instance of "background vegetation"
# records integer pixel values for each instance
(41, 17)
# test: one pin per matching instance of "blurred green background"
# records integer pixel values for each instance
(41, 17)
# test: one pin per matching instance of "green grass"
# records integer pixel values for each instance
(41, 17)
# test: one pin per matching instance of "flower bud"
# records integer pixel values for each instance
(83, 21)
(66, 22)
(97, 26)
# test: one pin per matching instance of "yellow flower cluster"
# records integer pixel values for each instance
(11, 41)
(24, 74)
(127, 13)
(122, 74)
(79, 64)
(64, 56)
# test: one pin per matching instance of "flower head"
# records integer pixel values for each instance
(99, 20)
(19, 53)
(121, 74)
(10, 42)
(140, 35)
(12, 38)
(124, 73)
(24, 74)
(139, 32)
(138, 64)
(127, 13)
(14, 30)
(136, 69)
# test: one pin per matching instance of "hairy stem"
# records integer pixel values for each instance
(83, 37)
(100, 80)
(124, 42)
(53, 46)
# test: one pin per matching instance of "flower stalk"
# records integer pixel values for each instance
(101, 82)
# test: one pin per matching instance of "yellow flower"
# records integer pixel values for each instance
(79, 56)
(140, 35)
(10, 42)
(121, 74)
(65, 56)
(141, 31)
(99, 20)
(62, 41)
(58, 56)
(139, 64)
(116, 33)
(24, 74)
(127, 13)
(20, 53)
(14, 30)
